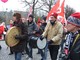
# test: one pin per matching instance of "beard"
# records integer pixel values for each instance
(52, 22)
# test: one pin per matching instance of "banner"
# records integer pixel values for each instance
(59, 9)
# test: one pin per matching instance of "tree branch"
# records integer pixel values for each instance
(44, 10)
(39, 7)
(36, 2)
(27, 3)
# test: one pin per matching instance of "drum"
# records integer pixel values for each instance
(10, 36)
(33, 41)
(41, 44)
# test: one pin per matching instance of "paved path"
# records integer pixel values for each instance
(5, 51)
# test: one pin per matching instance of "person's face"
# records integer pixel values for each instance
(42, 21)
(23, 20)
(30, 19)
(70, 27)
(52, 18)
(11, 21)
(14, 18)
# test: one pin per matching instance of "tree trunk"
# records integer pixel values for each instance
(33, 8)
(50, 5)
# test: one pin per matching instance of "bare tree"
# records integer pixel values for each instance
(43, 5)
(68, 11)
(47, 5)
(32, 4)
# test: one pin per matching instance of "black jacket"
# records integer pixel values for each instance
(42, 28)
(22, 38)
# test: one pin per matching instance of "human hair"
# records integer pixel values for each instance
(31, 16)
(18, 16)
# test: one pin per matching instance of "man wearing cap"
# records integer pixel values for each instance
(53, 31)
(74, 28)
(32, 28)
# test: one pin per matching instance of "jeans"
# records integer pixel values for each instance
(30, 52)
(18, 56)
(44, 52)
(27, 49)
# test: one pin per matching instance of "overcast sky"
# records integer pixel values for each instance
(16, 5)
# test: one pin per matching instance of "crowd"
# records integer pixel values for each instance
(63, 44)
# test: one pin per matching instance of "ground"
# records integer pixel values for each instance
(5, 51)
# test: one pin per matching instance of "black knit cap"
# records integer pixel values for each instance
(44, 18)
(31, 16)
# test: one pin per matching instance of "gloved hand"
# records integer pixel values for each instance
(17, 37)
(41, 37)
(50, 42)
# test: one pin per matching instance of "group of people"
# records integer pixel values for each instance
(53, 31)
(28, 29)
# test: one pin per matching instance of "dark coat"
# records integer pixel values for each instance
(31, 28)
(42, 28)
(75, 50)
(23, 38)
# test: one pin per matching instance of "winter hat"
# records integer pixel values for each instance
(31, 16)
(44, 18)
(74, 19)
(54, 14)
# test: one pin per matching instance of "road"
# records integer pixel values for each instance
(5, 51)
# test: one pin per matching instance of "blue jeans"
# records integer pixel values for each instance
(44, 52)
(30, 52)
(18, 56)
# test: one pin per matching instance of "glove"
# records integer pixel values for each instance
(17, 37)
(41, 37)
(50, 42)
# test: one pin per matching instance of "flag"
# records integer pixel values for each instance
(59, 9)
(39, 22)
(53, 9)
(61, 13)
(30, 11)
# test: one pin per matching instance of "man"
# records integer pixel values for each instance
(73, 27)
(32, 28)
(53, 32)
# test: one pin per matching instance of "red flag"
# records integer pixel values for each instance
(39, 22)
(53, 9)
(61, 13)
(59, 9)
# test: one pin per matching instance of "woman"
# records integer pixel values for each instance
(19, 48)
